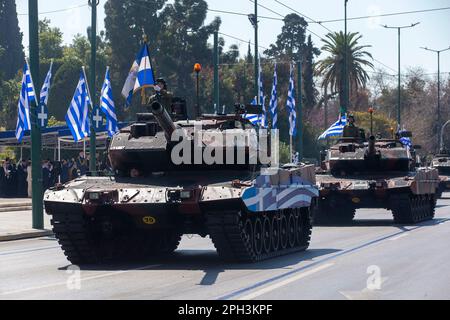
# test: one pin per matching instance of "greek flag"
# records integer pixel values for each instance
(43, 106)
(255, 119)
(107, 106)
(259, 120)
(140, 75)
(291, 106)
(274, 101)
(337, 129)
(77, 117)
(23, 119)
(262, 98)
(30, 85)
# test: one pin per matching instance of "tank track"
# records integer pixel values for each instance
(337, 214)
(247, 238)
(412, 208)
(81, 242)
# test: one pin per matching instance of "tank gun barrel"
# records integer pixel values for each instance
(164, 119)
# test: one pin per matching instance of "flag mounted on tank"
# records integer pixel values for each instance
(141, 75)
(337, 129)
(291, 105)
(274, 100)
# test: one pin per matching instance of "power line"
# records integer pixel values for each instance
(241, 40)
(243, 14)
(303, 15)
(387, 15)
(57, 11)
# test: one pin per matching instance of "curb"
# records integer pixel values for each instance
(26, 235)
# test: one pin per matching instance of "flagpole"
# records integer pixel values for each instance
(93, 139)
(36, 138)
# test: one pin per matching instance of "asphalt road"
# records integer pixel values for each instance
(371, 259)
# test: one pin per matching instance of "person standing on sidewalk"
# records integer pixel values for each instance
(29, 179)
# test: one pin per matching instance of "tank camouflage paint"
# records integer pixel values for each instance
(250, 213)
(359, 173)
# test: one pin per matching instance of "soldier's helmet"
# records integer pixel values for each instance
(162, 83)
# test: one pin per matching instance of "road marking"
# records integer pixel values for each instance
(357, 248)
(399, 237)
(8, 253)
(57, 284)
(283, 283)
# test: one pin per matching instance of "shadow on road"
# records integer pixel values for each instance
(209, 262)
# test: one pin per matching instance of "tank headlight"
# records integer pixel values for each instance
(185, 195)
(94, 196)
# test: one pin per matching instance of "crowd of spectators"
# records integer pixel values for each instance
(15, 178)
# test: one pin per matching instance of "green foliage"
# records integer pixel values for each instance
(285, 152)
(332, 68)
(50, 41)
(381, 123)
(9, 93)
(10, 40)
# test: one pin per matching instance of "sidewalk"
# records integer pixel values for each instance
(16, 221)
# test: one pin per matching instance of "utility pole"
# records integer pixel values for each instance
(93, 139)
(399, 106)
(254, 21)
(344, 108)
(216, 71)
(300, 107)
(439, 120)
(36, 138)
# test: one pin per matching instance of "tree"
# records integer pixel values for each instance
(184, 37)
(310, 92)
(332, 68)
(125, 23)
(291, 41)
(10, 40)
(50, 41)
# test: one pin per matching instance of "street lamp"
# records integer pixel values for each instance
(254, 21)
(399, 115)
(346, 82)
(439, 83)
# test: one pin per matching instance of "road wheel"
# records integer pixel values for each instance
(291, 231)
(258, 240)
(284, 237)
(267, 236)
(275, 233)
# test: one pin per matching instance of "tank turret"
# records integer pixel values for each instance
(374, 173)
(211, 182)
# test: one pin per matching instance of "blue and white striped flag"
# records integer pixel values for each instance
(291, 105)
(77, 117)
(23, 119)
(274, 100)
(140, 76)
(262, 98)
(337, 129)
(43, 106)
(108, 107)
(255, 119)
(30, 85)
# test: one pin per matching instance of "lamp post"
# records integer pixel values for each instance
(439, 84)
(36, 138)
(197, 69)
(344, 108)
(399, 110)
(254, 21)
(93, 139)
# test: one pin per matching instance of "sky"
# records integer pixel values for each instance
(432, 32)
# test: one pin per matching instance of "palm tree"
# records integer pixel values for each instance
(332, 68)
